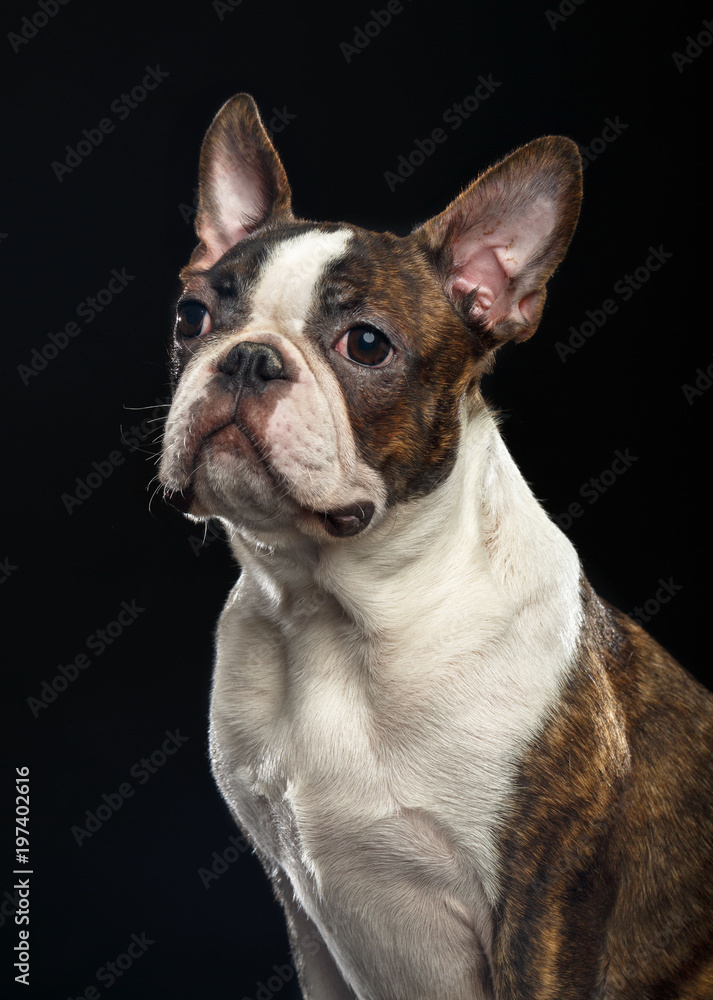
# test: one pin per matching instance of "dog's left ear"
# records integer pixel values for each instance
(242, 183)
(497, 244)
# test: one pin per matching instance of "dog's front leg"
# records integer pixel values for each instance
(318, 974)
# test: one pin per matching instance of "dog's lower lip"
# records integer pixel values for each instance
(349, 520)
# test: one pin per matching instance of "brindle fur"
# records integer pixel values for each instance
(607, 853)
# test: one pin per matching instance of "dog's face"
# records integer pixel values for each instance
(322, 370)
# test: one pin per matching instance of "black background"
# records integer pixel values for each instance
(67, 573)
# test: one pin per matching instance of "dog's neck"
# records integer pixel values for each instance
(481, 533)
(463, 606)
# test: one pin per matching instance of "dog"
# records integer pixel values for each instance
(465, 774)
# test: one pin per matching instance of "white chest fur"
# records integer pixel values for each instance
(370, 704)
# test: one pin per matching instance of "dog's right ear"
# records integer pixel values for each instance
(242, 183)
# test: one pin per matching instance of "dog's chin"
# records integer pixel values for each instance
(341, 522)
(244, 503)
(233, 480)
(251, 502)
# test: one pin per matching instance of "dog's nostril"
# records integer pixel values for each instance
(252, 365)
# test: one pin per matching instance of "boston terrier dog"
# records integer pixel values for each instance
(466, 775)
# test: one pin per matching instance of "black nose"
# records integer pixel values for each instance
(251, 366)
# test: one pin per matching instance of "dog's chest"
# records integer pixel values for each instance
(338, 769)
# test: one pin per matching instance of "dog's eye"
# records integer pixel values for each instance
(366, 345)
(192, 320)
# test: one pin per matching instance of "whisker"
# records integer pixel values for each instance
(151, 406)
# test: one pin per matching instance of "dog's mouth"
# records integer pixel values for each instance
(341, 523)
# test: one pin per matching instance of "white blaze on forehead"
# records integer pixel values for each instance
(290, 276)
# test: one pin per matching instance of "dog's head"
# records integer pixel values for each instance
(323, 371)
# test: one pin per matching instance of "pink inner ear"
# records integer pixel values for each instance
(238, 197)
(481, 269)
(238, 201)
(491, 257)
(528, 306)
